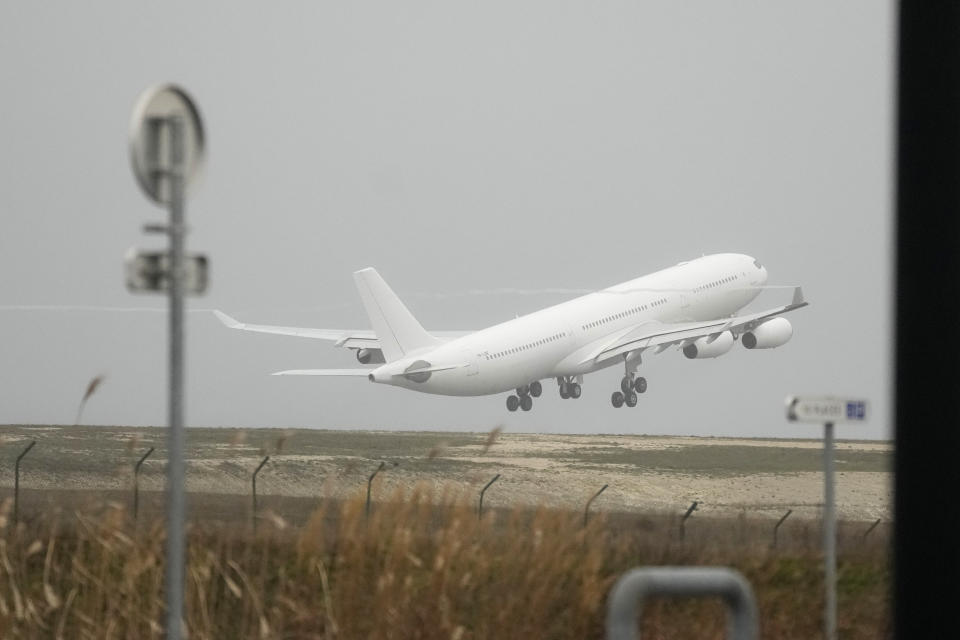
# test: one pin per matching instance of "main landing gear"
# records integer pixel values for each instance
(630, 386)
(569, 388)
(525, 395)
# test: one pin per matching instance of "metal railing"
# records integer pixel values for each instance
(634, 588)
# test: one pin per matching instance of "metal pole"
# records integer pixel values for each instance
(16, 482)
(777, 526)
(872, 527)
(176, 504)
(829, 536)
(483, 491)
(136, 483)
(683, 521)
(586, 511)
(370, 484)
(628, 595)
(262, 462)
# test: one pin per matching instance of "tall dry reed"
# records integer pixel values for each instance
(422, 566)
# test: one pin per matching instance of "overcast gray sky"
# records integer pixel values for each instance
(455, 147)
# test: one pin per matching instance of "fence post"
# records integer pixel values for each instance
(483, 491)
(370, 484)
(16, 482)
(872, 527)
(586, 511)
(777, 526)
(683, 521)
(254, 481)
(628, 595)
(136, 483)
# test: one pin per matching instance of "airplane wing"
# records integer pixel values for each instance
(663, 335)
(323, 372)
(347, 338)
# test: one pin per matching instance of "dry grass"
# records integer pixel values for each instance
(422, 566)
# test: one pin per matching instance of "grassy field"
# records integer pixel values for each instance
(95, 449)
(423, 565)
(764, 477)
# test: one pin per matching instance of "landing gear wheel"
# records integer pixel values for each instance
(523, 391)
(630, 399)
(575, 390)
(526, 403)
(626, 385)
(512, 403)
(564, 390)
(617, 399)
(536, 389)
(640, 385)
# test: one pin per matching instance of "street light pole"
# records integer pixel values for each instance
(176, 501)
(166, 152)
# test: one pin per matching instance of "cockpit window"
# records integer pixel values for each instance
(757, 264)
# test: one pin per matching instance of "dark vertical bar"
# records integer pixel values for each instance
(683, 520)
(586, 510)
(370, 485)
(776, 527)
(136, 483)
(483, 491)
(16, 482)
(254, 481)
(829, 536)
(927, 310)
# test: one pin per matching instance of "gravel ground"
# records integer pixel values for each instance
(760, 478)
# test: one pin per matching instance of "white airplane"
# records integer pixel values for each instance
(692, 305)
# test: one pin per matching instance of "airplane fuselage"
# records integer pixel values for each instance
(558, 341)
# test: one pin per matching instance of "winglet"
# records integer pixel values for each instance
(227, 320)
(797, 296)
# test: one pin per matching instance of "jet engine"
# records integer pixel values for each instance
(770, 334)
(702, 348)
(370, 356)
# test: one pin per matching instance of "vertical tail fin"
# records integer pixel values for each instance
(396, 328)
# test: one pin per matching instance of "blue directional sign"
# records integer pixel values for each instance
(856, 410)
(826, 409)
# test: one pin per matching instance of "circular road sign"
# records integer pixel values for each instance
(164, 102)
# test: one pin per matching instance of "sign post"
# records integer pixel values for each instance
(166, 152)
(828, 411)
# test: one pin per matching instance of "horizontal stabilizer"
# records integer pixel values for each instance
(324, 372)
(346, 338)
(227, 320)
(370, 340)
(432, 369)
